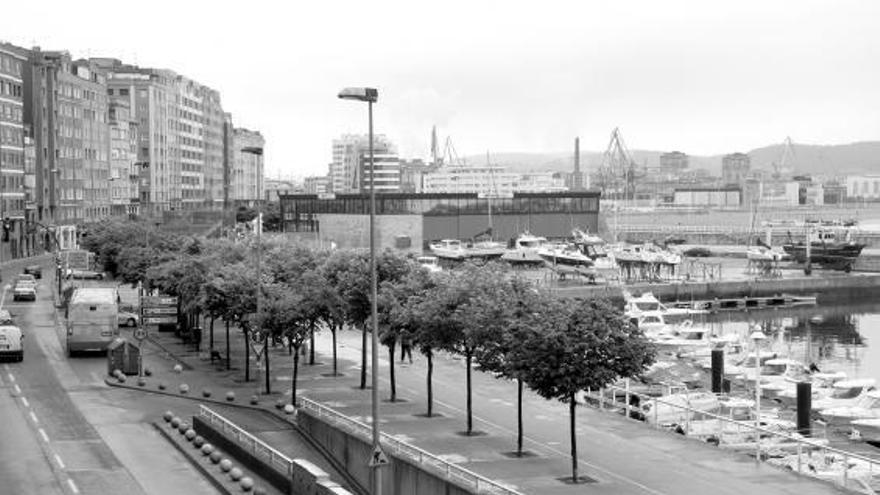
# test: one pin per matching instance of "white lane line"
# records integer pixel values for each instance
(43, 434)
(11, 378)
(59, 461)
(25, 402)
(17, 389)
(34, 418)
(72, 485)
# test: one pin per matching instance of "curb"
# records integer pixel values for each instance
(171, 354)
(193, 397)
(192, 459)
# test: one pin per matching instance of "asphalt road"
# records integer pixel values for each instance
(67, 432)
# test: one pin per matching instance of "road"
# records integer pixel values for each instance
(69, 433)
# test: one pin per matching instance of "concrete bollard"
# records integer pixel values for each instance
(161, 386)
(198, 441)
(279, 404)
(259, 490)
(206, 393)
(215, 457)
(235, 474)
(255, 400)
(207, 449)
(121, 378)
(175, 422)
(289, 409)
(225, 465)
(230, 396)
(183, 427)
(177, 368)
(184, 389)
(190, 434)
(167, 415)
(142, 382)
(247, 484)
(115, 372)
(148, 372)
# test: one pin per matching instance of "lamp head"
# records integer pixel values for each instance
(757, 336)
(360, 94)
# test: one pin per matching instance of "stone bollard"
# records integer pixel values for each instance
(175, 422)
(207, 449)
(255, 400)
(183, 427)
(142, 382)
(247, 484)
(148, 372)
(279, 404)
(167, 415)
(235, 474)
(184, 389)
(206, 393)
(121, 378)
(225, 465)
(161, 386)
(190, 434)
(259, 490)
(198, 442)
(177, 368)
(215, 457)
(230, 396)
(289, 409)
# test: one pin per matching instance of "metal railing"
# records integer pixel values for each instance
(847, 469)
(252, 444)
(450, 471)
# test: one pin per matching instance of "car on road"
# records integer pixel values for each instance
(34, 270)
(24, 290)
(6, 318)
(85, 275)
(25, 277)
(11, 342)
(127, 318)
(697, 252)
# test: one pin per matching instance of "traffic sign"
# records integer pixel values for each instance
(160, 311)
(160, 320)
(378, 457)
(140, 333)
(154, 301)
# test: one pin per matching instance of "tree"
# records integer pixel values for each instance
(284, 313)
(512, 319)
(232, 291)
(581, 346)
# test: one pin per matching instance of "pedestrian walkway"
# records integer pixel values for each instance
(618, 455)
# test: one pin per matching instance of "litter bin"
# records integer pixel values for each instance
(196, 336)
(124, 356)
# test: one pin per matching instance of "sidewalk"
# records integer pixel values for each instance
(620, 455)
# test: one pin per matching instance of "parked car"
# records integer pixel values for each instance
(85, 275)
(697, 252)
(24, 291)
(6, 318)
(127, 318)
(34, 270)
(11, 342)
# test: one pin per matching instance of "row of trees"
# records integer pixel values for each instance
(497, 322)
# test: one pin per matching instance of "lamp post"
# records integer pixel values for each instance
(757, 336)
(370, 95)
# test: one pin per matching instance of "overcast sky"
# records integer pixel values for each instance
(704, 77)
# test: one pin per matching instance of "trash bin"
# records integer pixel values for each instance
(124, 356)
(196, 336)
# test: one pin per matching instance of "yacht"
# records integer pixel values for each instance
(845, 393)
(595, 247)
(647, 304)
(868, 429)
(821, 386)
(867, 407)
(564, 254)
(525, 250)
(430, 263)
(676, 408)
(451, 249)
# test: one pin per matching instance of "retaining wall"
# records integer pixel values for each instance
(400, 477)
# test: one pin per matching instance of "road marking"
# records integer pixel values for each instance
(17, 389)
(59, 461)
(34, 418)
(25, 402)
(43, 434)
(73, 487)
(11, 378)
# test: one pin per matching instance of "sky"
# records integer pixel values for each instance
(704, 77)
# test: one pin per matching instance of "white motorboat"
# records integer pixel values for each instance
(685, 335)
(868, 429)
(763, 253)
(485, 249)
(525, 249)
(822, 384)
(449, 249)
(844, 393)
(646, 253)
(775, 375)
(564, 254)
(867, 407)
(647, 304)
(430, 263)
(596, 248)
(677, 408)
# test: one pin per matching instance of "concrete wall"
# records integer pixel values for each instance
(399, 477)
(507, 227)
(353, 231)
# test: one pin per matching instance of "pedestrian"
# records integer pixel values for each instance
(405, 349)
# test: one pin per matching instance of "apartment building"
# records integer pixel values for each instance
(384, 174)
(124, 167)
(246, 176)
(13, 62)
(345, 168)
(485, 181)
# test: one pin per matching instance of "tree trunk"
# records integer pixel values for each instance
(247, 356)
(228, 361)
(430, 356)
(211, 339)
(266, 358)
(364, 357)
(470, 417)
(333, 330)
(519, 417)
(574, 453)
(295, 371)
(312, 345)
(391, 371)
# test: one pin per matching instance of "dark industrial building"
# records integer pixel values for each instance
(410, 221)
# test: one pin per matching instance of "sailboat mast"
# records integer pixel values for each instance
(492, 192)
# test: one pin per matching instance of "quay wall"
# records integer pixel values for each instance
(829, 288)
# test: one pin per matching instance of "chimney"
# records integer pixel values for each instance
(577, 180)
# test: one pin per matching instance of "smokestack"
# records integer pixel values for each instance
(577, 155)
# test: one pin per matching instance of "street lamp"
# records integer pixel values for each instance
(370, 95)
(757, 336)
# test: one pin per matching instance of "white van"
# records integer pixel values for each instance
(11, 344)
(91, 319)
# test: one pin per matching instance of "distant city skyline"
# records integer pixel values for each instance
(703, 78)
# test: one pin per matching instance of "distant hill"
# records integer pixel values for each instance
(861, 157)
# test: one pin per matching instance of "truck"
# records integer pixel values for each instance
(92, 322)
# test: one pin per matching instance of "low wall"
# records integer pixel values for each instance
(399, 477)
(269, 473)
